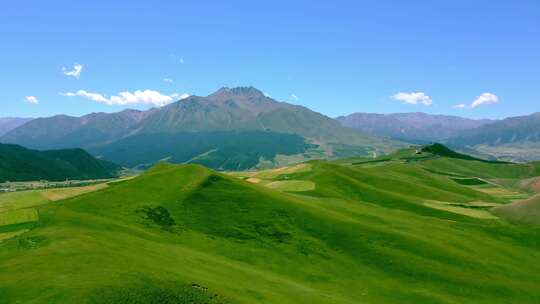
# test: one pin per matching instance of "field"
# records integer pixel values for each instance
(36, 185)
(18, 211)
(523, 151)
(402, 228)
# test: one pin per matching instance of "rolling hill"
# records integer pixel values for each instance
(20, 164)
(515, 139)
(232, 112)
(410, 127)
(403, 228)
(527, 211)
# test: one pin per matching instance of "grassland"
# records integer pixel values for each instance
(18, 213)
(360, 233)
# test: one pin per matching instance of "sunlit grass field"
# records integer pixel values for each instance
(400, 231)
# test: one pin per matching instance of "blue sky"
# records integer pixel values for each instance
(336, 57)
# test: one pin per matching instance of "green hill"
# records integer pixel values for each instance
(442, 150)
(406, 228)
(20, 164)
(526, 211)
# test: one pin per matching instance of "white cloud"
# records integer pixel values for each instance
(31, 99)
(182, 60)
(294, 97)
(413, 98)
(148, 97)
(92, 96)
(180, 96)
(168, 80)
(485, 99)
(75, 72)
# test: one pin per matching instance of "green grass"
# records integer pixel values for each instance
(469, 181)
(18, 217)
(23, 199)
(292, 186)
(20, 164)
(481, 214)
(363, 234)
(11, 234)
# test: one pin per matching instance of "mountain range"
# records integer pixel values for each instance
(510, 139)
(185, 131)
(514, 139)
(9, 123)
(411, 127)
(241, 128)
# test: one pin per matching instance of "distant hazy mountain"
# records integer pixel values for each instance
(62, 131)
(414, 127)
(515, 138)
(9, 123)
(20, 164)
(185, 131)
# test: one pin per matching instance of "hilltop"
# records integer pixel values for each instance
(20, 164)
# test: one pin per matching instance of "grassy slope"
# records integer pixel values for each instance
(361, 235)
(20, 164)
(526, 211)
(523, 211)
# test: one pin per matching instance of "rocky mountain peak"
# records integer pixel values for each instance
(227, 93)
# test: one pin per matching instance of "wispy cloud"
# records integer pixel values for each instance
(168, 80)
(413, 98)
(74, 72)
(92, 96)
(31, 99)
(180, 96)
(147, 97)
(294, 97)
(175, 58)
(485, 99)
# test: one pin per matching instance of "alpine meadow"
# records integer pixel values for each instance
(183, 152)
